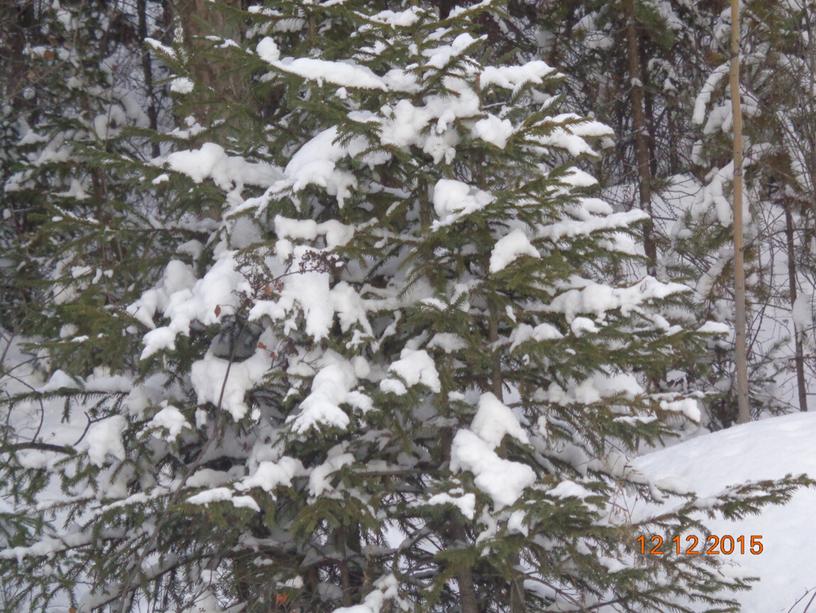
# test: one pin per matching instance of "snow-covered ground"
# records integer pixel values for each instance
(765, 449)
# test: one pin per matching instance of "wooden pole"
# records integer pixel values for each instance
(740, 350)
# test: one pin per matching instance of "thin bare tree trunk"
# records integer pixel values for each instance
(641, 136)
(147, 70)
(799, 358)
(741, 351)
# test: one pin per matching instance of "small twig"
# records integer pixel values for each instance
(229, 364)
(6, 349)
(39, 400)
(805, 610)
(85, 431)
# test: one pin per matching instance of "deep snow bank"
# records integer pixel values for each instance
(765, 449)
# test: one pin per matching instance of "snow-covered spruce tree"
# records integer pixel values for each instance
(401, 374)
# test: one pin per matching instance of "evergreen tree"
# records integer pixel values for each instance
(387, 354)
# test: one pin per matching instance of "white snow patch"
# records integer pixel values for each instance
(59, 380)
(597, 299)
(513, 77)
(465, 503)
(493, 130)
(414, 367)
(525, 332)
(509, 248)
(270, 475)
(569, 489)
(336, 233)
(401, 19)
(217, 381)
(182, 304)
(802, 312)
(330, 388)
(494, 419)
(181, 85)
(439, 57)
(346, 74)
(267, 50)
(171, 420)
(319, 476)
(502, 480)
(453, 200)
(105, 437)
(224, 494)
(210, 161)
(595, 388)
(386, 588)
(714, 327)
(767, 449)
(447, 342)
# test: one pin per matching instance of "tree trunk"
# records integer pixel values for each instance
(799, 359)
(464, 578)
(641, 136)
(201, 18)
(741, 351)
(147, 70)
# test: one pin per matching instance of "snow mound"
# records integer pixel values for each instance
(766, 449)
